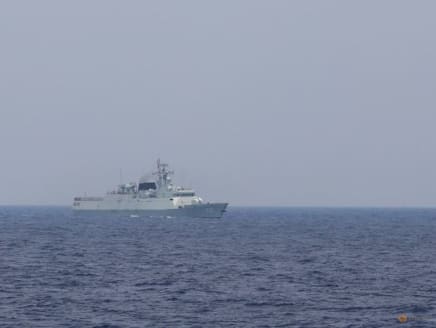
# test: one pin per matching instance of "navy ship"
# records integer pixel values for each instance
(153, 197)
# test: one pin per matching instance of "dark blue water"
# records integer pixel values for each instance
(264, 267)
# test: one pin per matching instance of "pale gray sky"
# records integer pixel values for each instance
(252, 102)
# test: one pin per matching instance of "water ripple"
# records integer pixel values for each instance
(264, 267)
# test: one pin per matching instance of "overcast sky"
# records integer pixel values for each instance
(299, 103)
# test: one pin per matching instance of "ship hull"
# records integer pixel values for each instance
(206, 210)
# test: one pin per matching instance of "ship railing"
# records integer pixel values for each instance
(88, 199)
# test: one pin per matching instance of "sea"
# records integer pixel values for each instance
(255, 267)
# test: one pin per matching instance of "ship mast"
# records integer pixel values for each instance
(162, 173)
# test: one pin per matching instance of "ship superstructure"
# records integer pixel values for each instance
(153, 197)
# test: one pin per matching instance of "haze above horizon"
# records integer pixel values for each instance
(292, 103)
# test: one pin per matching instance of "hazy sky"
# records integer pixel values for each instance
(295, 103)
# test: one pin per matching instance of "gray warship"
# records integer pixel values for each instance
(153, 197)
